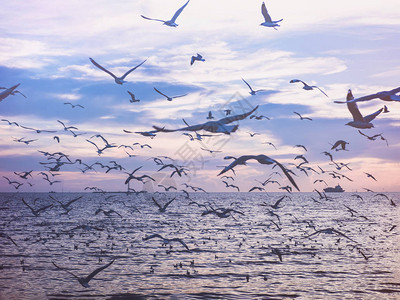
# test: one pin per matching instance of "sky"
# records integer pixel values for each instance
(45, 46)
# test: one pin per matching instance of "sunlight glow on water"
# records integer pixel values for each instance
(223, 250)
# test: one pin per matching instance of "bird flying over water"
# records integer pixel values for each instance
(358, 120)
(307, 87)
(171, 22)
(213, 126)
(84, 281)
(267, 18)
(118, 80)
(262, 159)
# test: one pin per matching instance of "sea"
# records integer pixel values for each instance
(240, 246)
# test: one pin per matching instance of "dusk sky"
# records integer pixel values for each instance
(46, 45)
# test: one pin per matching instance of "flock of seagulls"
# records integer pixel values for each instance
(223, 126)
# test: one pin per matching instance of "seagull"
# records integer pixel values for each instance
(118, 80)
(211, 151)
(253, 134)
(358, 120)
(194, 58)
(268, 21)
(169, 98)
(213, 126)
(171, 22)
(84, 281)
(369, 175)
(162, 208)
(307, 87)
(150, 134)
(339, 143)
(210, 116)
(37, 211)
(259, 117)
(262, 159)
(65, 127)
(10, 123)
(38, 130)
(384, 95)
(252, 92)
(133, 98)
(21, 140)
(165, 240)
(301, 117)
(301, 146)
(73, 105)
(269, 143)
(330, 231)
(8, 92)
(65, 206)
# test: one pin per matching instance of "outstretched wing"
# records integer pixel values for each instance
(98, 270)
(353, 107)
(102, 68)
(133, 69)
(160, 93)
(265, 13)
(247, 84)
(65, 270)
(178, 12)
(287, 175)
(314, 86)
(372, 116)
(228, 120)
(147, 18)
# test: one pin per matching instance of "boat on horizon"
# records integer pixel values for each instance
(336, 189)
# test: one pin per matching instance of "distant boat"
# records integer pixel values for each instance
(336, 189)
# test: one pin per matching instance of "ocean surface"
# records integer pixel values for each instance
(342, 247)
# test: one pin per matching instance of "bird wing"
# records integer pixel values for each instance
(247, 84)
(265, 13)
(133, 69)
(93, 144)
(314, 86)
(152, 236)
(65, 270)
(230, 119)
(180, 241)
(72, 201)
(287, 175)
(156, 203)
(98, 270)
(102, 68)
(372, 116)
(192, 60)
(44, 208)
(161, 93)
(353, 108)
(178, 12)
(147, 18)
(179, 96)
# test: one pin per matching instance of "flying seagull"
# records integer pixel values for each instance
(169, 98)
(262, 159)
(198, 57)
(133, 98)
(213, 126)
(268, 21)
(8, 92)
(118, 80)
(252, 92)
(384, 95)
(165, 240)
(171, 22)
(358, 120)
(301, 117)
(84, 281)
(307, 87)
